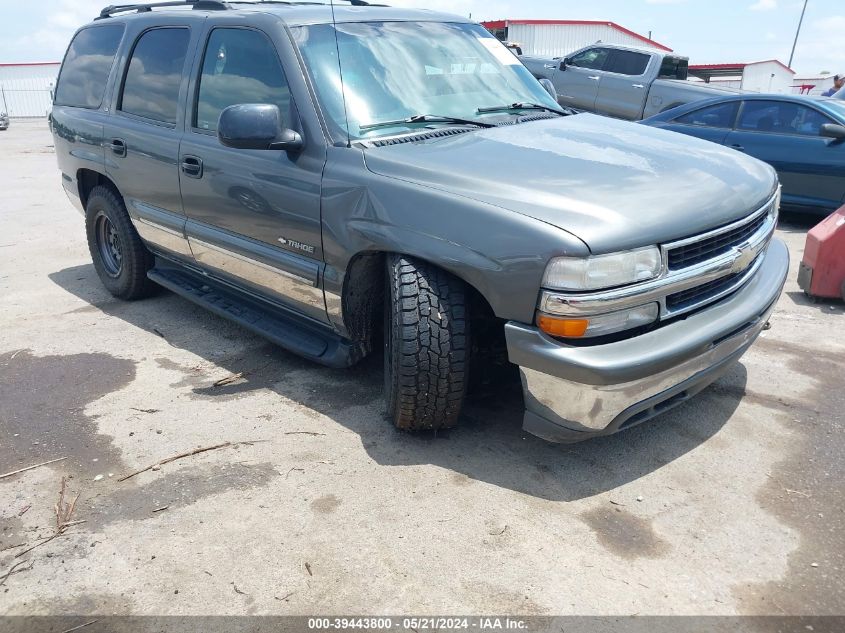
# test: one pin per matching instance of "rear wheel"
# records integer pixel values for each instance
(426, 345)
(120, 257)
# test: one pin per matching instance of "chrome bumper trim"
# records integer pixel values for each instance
(585, 391)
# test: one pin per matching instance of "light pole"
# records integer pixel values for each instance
(797, 33)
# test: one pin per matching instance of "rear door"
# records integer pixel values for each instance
(624, 84)
(577, 82)
(142, 136)
(253, 215)
(712, 123)
(786, 135)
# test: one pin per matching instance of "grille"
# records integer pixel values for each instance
(697, 252)
(700, 294)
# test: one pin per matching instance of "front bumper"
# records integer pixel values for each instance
(574, 393)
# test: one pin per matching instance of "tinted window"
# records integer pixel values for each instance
(592, 58)
(721, 115)
(781, 117)
(151, 87)
(240, 66)
(88, 61)
(674, 68)
(628, 63)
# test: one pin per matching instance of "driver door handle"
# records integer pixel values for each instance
(192, 166)
(637, 86)
(594, 77)
(738, 148)
(117, 146)
(550, 66)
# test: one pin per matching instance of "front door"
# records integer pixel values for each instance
(253, 215)
(578, 80)
(142, 138)
(786, 135)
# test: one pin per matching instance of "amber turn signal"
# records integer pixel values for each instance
(557, 326)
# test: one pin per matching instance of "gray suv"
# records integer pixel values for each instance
(363, 177)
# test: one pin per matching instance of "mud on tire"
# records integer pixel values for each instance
(426, 345)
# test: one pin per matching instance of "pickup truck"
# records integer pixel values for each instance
(620, 81)
(326, 177)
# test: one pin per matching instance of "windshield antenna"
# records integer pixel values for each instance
(340, 72)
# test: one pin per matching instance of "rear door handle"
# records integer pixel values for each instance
(594, 77)
(637, 86)
(738, 148)
(192, 166)
(118, 146)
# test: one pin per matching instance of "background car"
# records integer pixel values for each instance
(803, 138)
(4, 121)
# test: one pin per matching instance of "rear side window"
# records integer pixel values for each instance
(239, 66)
(154, 74)
(85, 70)
(721, 115)
(674, 68)
(627, 63)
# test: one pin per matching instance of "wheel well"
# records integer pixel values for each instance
(363, 305)
(87, 179)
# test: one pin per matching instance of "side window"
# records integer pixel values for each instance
(721, 115)
(87, 64)
(592, 58)
(627, 63)
(154, 74)
(781, 117)
(239, 66)
(674, 68)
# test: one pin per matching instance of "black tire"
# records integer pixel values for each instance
(426, 345)
(119, 255)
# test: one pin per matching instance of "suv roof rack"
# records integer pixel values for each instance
(211, 5)
(113, 9)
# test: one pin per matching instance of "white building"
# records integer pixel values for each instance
(558, 38)
(814, 85)
(769, 76)
(25, 89)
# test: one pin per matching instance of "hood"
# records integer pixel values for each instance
(616, 185)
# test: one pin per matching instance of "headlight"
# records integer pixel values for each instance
(602, 271)
(597, 324)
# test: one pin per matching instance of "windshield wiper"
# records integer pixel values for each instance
(522, 105)
(424, 118)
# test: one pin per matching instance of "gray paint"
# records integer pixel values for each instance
(491, 206)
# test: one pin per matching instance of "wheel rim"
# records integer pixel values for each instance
(109, 246)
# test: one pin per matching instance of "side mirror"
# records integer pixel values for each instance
(256, 126)
(549, 87)
(564, 63)
(833, 130)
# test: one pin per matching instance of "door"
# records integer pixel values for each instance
(623, 87)
(786, 135)
(712, 123)
(253, 215)
(577, 81)
(142, 138)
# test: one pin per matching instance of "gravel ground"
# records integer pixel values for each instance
(729, 504)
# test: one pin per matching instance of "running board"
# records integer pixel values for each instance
(282, 328)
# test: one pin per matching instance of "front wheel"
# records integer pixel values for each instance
(426, 345)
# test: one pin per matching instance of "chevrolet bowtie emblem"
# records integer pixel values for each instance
(744, 257)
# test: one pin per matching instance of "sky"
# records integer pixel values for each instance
(707, 31)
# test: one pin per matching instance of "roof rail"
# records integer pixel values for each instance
(111, 10)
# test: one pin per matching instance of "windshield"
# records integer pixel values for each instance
(394, 70)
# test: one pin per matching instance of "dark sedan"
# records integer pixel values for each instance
(803, 138)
